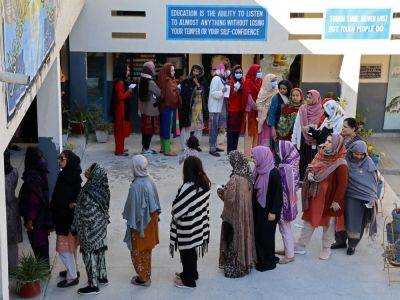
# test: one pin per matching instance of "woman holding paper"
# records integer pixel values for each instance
(119, 95)
(251, 88)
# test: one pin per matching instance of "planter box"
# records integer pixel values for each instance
(392, 234)
(30, 289)
(101, 136)
(77, 127)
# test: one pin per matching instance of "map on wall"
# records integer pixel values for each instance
(29, 33)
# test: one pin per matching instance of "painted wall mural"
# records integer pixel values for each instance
(29, 33)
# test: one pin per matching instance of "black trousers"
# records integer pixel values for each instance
(41, 252)
(265, 246)
(189, 274)
(232, 140)
(146, 140)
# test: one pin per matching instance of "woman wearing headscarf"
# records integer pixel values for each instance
(289, 171)
(361, 195)
(194, 94)
(268, 90)
(190, 224)
(149, 93)
(277, 103)
(267, 206)
(120, 94)
(333, 122)
(251, 88)
(289, 114)
(170, 101)
(215, 105)
(34, 203)
(323, 193)
(141, 211)
(14, 226)
(90, 222)
(237, 248)
(349, 133)
(309, 115)
(235, 108)
(62, 206)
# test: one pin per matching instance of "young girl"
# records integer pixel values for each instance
(192, 149)
(190, 228)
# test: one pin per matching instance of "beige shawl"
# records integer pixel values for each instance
(264, 100)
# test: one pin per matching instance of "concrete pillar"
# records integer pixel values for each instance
(349, 80)
(247, 61)
(49, 120)
(3, 233)
(108, 85)
(78, 76)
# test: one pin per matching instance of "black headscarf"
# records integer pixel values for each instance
(72, 171)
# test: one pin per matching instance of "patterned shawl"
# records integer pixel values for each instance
(289, 171)
(91, 213)
(264, 100)
(288, 115)
(240, 166)
(336, 116)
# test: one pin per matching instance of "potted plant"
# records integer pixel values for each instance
(102, 130)
(77, 121)
(28, 275)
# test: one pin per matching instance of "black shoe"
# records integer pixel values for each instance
(219, 150)
(89, 290)
(126, 150)
(339, 246)
(178, 276)
(122, 154)
(215, 153)
(199, 149)
(350, 251)
(103, 281)
(64, 283)
(64, 274)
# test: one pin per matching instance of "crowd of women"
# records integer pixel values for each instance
(291, 142)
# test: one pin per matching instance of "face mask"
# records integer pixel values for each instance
(238, 76)
(274, 85)
(228, 73)
(259, 75)
(328, 151)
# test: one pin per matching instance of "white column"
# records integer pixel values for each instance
(3, 232)
(349, 80)
(49, 120)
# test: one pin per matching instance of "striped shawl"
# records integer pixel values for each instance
(190, 226)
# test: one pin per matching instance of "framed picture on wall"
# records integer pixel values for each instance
(176, 61)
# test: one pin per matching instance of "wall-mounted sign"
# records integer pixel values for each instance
(357, 23)
(370, 71)
(28, 39)
(392, 109)
(200, 22)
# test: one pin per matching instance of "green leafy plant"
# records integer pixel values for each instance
(29, 270)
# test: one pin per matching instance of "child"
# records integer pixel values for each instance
(191, 150)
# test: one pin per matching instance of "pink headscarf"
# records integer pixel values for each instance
(311, 114)
(265, 164)
(220, 69)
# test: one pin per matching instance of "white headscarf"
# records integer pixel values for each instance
(139, 166)
(336, 116)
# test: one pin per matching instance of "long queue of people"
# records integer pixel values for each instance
(293, 143)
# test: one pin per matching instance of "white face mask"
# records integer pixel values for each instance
(228, 73)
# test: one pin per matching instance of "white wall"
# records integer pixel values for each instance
(68, 12)
(92, 33)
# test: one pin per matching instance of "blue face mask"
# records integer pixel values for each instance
(274, 85)
(259, 75)
(238, 76)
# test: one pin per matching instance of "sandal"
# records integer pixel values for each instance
(286, 260)
(179, 284)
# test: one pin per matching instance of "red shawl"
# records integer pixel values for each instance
(252, 84)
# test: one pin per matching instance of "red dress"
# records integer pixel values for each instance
(121, 127)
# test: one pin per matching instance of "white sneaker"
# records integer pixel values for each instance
(325, 253)
(147, 152)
